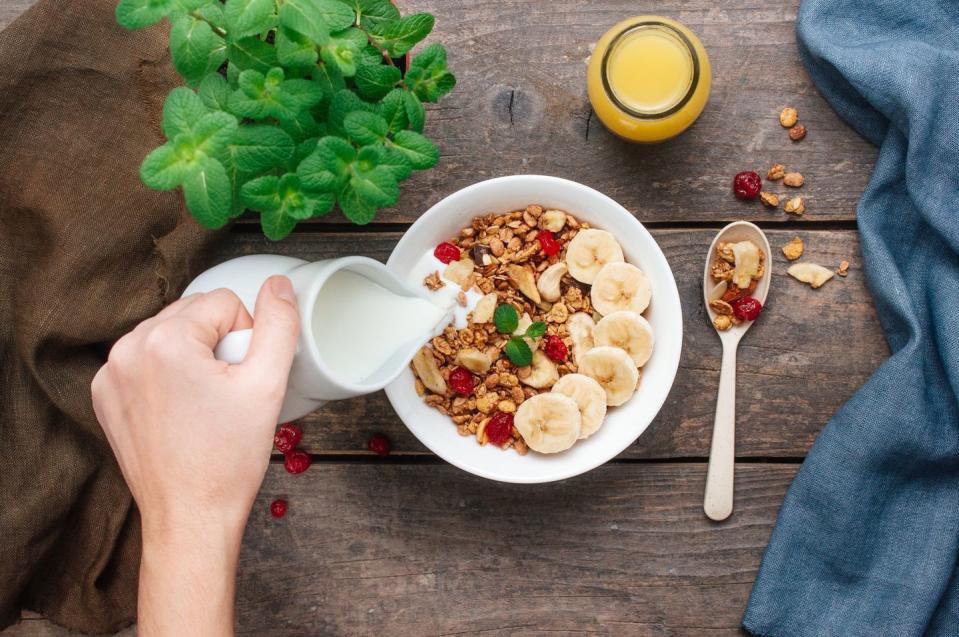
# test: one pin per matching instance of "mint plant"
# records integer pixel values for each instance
(291, 106)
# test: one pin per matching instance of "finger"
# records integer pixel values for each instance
(276, 325)
(213, 315)
(171, 310)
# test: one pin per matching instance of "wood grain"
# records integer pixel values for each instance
(808, 354)
(423, 550)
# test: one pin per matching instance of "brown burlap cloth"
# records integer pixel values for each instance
(86, 252)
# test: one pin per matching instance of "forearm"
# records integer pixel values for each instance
(187, 580)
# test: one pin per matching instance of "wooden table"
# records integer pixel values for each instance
(409, 545)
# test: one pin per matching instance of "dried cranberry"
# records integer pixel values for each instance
(462, 381)
(548, 243)
(287, 437)
(278, 508)
(296, 461)
(555, 348)
(379, 444)
(747, 308)
(747, 185)
(447, 252)
(499, 429)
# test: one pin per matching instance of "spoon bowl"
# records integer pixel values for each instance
(718, 500)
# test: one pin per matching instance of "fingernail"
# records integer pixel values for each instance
(282, 288)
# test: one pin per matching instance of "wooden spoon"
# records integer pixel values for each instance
(718, 502)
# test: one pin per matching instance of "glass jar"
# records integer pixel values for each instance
(648, 78)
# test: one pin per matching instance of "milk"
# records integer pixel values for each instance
(446, 295)
(358, 324)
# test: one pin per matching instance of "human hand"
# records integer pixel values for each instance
(193, 434)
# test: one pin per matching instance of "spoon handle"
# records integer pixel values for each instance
(718, 502)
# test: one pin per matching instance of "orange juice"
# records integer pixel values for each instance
(648, 78)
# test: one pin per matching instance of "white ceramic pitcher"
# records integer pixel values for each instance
(311, 382)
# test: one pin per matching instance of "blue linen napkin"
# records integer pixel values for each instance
(867, 540)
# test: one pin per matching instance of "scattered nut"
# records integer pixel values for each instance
(796, 206)
(788, 117)
(433, 281)
(776, 171)
(793, 180)
(793, 249)
(797, 132)
(722, 322)
(811, 273)
(769, 199)
(721, 307)
(523, 280)
(843, 268)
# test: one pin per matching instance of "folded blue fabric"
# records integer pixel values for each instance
(867, 541)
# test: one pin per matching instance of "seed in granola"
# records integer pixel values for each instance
(793, 249)
(788, 117)
(776, 171)
(796, 206)
(769, 199)
(433, 281)
(722, 322)
(793, 180)
(721, 307)
(496, 247)
(797, 132)
(843, 268)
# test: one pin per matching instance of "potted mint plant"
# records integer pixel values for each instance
(292, 106)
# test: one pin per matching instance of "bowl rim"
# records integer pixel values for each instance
(423, 222)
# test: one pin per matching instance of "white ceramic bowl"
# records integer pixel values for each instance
(623, 424)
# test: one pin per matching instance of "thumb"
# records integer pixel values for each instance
(276, 325)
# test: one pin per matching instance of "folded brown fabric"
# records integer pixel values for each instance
(86, 252)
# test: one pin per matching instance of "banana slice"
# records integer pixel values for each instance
(580, 327)
(590, 398)
(612, 368)
(543, 372)
(620, 286)
(589, 251)
(628, 331)
(549, 423)
(429, 372)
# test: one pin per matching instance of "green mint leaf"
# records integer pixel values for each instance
(535, 330)
(254, 149)
(304, 149)
(374, 81)
(393, 109)
(377, 186)
(337, 15)
(415, 113)
(302, 94)
(518, 351)
(343, 103)
(196, 49)
(373, 12)
(136, 14)
(328, 168)
(365, 128)
(249, 17)
(355, 207)
(300, 126)
(181, 110)
(251, 53)
(379, 155)
(214, 92)
(213, 132)
(506, 318)
(341, 57)
(162, 169)
(421, 152)
(399, 36)
(208, 194)
(261, 194)
(329, 79)
(305, 18)
(212, 12)
(276, 224)
(294, 50)
(427, 76)
(293, 200)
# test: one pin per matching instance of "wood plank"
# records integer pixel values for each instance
(520, 106)
(389, 549)
(811, 350)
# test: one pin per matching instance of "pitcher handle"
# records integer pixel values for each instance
(233, 347)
